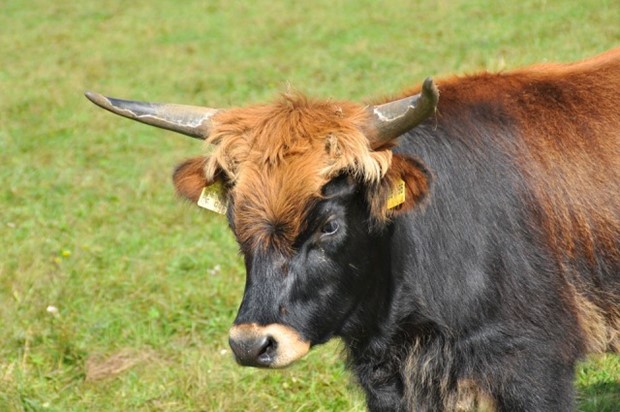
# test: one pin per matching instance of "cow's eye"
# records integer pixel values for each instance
(330, 227)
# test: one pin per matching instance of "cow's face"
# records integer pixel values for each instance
(308, 185)
(307, 203)
(301, 295)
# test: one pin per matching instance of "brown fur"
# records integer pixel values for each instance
(470, 397)
(189, 178)
(278, 157)
(573, 170)
(417, 184)
(601, 330)
(576, 178)
(420, 372)
(571, 153)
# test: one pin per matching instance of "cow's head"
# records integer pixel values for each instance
(307, 186)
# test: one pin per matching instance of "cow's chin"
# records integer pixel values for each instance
(270, 346)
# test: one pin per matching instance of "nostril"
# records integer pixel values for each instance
(267, 351)
(255, 350)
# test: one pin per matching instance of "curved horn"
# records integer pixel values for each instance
(395, 118)
(193, 121)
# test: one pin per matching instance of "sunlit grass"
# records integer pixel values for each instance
(144, 285)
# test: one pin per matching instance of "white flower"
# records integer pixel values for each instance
(53, 310)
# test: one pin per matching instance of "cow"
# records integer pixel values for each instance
(462, 239)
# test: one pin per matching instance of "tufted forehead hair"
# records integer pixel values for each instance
(278, 157)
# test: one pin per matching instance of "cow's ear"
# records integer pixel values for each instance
(403, 187)
(189, 178)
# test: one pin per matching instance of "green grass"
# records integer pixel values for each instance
(146, 286)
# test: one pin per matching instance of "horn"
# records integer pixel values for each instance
(192, 121)
(398, 117)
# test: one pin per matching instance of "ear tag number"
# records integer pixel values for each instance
(397, 195)
(213, 198)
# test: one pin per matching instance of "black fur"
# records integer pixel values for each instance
(461, 289)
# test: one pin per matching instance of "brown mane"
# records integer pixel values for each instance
(278, 157)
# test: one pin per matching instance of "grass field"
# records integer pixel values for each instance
(114, 294)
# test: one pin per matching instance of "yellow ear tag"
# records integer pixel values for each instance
(397, 195)
(213, 198)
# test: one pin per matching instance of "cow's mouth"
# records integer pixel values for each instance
(270, 346)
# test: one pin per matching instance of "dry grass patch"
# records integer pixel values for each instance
(99, 367)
